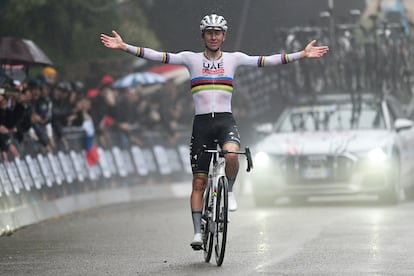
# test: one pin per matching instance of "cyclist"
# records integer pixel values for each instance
(211, 73)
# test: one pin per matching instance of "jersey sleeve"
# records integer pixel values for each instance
(262, 61)
(151, 54)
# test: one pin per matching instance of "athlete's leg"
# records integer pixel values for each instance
(232, 163)
(232, 168)
(196, 199)
(229, 138)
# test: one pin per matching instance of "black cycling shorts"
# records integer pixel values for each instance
(206, 130)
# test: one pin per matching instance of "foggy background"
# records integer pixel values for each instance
(252, 24)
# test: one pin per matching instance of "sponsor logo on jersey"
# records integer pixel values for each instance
(213, 68)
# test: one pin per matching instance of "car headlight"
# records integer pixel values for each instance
(261, 159)
(377, 155)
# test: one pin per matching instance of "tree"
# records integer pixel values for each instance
(68, 31)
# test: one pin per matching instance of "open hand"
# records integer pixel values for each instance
(312, 51)
(113, 42)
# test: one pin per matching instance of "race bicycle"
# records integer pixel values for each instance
(214, 217)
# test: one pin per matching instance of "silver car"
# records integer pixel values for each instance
(338, 144)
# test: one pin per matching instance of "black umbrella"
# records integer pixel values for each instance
(21, 51)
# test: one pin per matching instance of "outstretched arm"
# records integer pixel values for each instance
(116, 42)
(113, 42)
(312, 51)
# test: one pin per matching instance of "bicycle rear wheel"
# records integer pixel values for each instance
(220, 235)
(206, 222)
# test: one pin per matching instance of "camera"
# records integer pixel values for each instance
(7, 85)
(9, 91)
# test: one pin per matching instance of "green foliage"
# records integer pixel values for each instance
(68, 32)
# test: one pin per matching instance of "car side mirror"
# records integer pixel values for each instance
(403, 124)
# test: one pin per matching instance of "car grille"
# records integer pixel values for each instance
(316, 168)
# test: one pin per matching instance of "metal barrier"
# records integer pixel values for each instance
(40, 186)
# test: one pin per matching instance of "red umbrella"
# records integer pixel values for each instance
(21, 51)
(178, 73)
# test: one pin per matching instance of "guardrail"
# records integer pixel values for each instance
(39, 186)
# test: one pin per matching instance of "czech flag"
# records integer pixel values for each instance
(92, 156)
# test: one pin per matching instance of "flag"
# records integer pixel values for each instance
(92, 156)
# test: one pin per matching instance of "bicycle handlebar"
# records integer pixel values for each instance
(246, 152)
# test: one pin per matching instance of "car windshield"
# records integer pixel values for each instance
(332, 117)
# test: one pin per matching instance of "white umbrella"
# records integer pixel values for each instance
(141, 78)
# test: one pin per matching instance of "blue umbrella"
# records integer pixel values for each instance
(141, 78)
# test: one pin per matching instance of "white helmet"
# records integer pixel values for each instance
(213, 22)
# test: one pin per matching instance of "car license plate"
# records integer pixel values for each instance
(314, 173)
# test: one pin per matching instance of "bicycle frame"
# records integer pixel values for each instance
(217, 170)
(215, 215)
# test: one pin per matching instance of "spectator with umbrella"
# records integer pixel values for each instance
(7, 128)
(23, 114)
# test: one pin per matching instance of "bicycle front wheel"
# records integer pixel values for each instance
(206, 222)
(220, 235)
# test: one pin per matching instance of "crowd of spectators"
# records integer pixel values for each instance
(36, 115)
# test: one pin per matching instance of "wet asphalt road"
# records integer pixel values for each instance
(152, 238)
